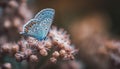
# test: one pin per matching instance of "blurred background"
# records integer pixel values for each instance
(67, 12)
(93, 26)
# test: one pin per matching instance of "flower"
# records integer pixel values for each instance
(56, 43)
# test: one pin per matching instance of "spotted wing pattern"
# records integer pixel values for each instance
(34, 29)
(39, 26)
(44, 14)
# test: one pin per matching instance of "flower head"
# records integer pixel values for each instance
(56, 45)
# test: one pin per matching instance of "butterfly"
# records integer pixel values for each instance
(39, 26)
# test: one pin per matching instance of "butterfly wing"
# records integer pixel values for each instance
(40, 25)
(45, 25)
(33, 28)
(45, 17)
(45, 13)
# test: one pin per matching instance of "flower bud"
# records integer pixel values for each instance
(33, 58)
(53, 59)
(15, 48)
(28, 52)
(13, 3)
(55, 42)
(56, 54)
(61, 45)
(5, 48)
(43, 52)
(7, 66)
(62, 52)
(71, 57)
(17, 22)
(7, 23)
(19, 57)
(48, 45)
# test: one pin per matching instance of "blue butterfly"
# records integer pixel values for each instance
(39, 26)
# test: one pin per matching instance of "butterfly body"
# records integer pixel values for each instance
(39, 26)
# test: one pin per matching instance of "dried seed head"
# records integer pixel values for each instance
(53, 59)
(56, 54)
(33, 58)
(7, 66)
(43, 52)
